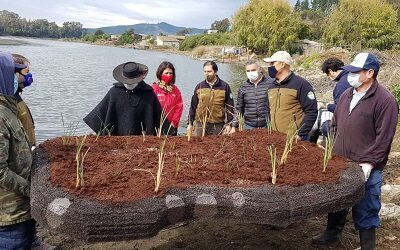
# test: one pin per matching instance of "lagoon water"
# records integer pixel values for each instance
(71, 78)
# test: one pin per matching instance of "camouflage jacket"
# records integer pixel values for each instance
(25, 116)
(15, 165)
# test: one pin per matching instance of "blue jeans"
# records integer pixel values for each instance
(248, 127)
(366, 212)
(17, 236)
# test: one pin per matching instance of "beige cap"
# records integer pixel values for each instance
(280, 56)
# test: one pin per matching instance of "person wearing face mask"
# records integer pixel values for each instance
(291, 98)
(364, 123)
(130, 107)
(169, 95)
(332, 68)
(16, 224)
(24, 79)
(252, 100)
(212, 108)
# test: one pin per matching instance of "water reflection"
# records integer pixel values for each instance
(71, 78)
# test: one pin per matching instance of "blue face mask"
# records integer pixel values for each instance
(272, 71)
(15, 83)
(28, 79)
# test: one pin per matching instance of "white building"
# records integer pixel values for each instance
(172, 41)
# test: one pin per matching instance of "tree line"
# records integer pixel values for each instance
(264, 26)
(270, 25)
(12, 24)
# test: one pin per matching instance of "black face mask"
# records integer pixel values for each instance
(272, 71)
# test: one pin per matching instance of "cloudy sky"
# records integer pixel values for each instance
(100, 13)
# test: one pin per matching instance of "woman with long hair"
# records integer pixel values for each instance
(169, 95)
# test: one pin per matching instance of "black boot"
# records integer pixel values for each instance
(367, 239)
(336, 222)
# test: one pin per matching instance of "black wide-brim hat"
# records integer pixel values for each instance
(130, 72)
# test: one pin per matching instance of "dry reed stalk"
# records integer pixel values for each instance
(241, 121)
(290, 137)
(330, 139)
(143, 132)
(272, 155)
(161, 158)
(269, 126)
(163, 118)
(80, 157)
(177, 164)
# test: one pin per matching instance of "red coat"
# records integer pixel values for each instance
(172, 103)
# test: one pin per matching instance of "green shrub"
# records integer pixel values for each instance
(192, 42)
(364, 24)
(396, 92)
(310, 60)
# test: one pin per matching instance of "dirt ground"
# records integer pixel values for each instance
(234, 162)
(230, 235)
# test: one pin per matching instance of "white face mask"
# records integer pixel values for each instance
(354, 80)
(131, 86)
(252, 75)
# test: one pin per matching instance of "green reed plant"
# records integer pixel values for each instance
(104, 129)
(69, 132)
(269, 126)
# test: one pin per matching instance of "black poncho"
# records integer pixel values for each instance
(126, 112)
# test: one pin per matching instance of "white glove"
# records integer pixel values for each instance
(366, 168)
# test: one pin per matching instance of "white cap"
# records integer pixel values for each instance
(280, 56)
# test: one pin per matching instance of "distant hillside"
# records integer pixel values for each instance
(145, 28)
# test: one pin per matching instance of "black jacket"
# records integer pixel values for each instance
(125, 112)
(252, 102)
(341, 86)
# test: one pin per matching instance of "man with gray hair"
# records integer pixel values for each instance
(252, 99)
(291, 98)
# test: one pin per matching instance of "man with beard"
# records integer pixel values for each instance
(211, 109)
